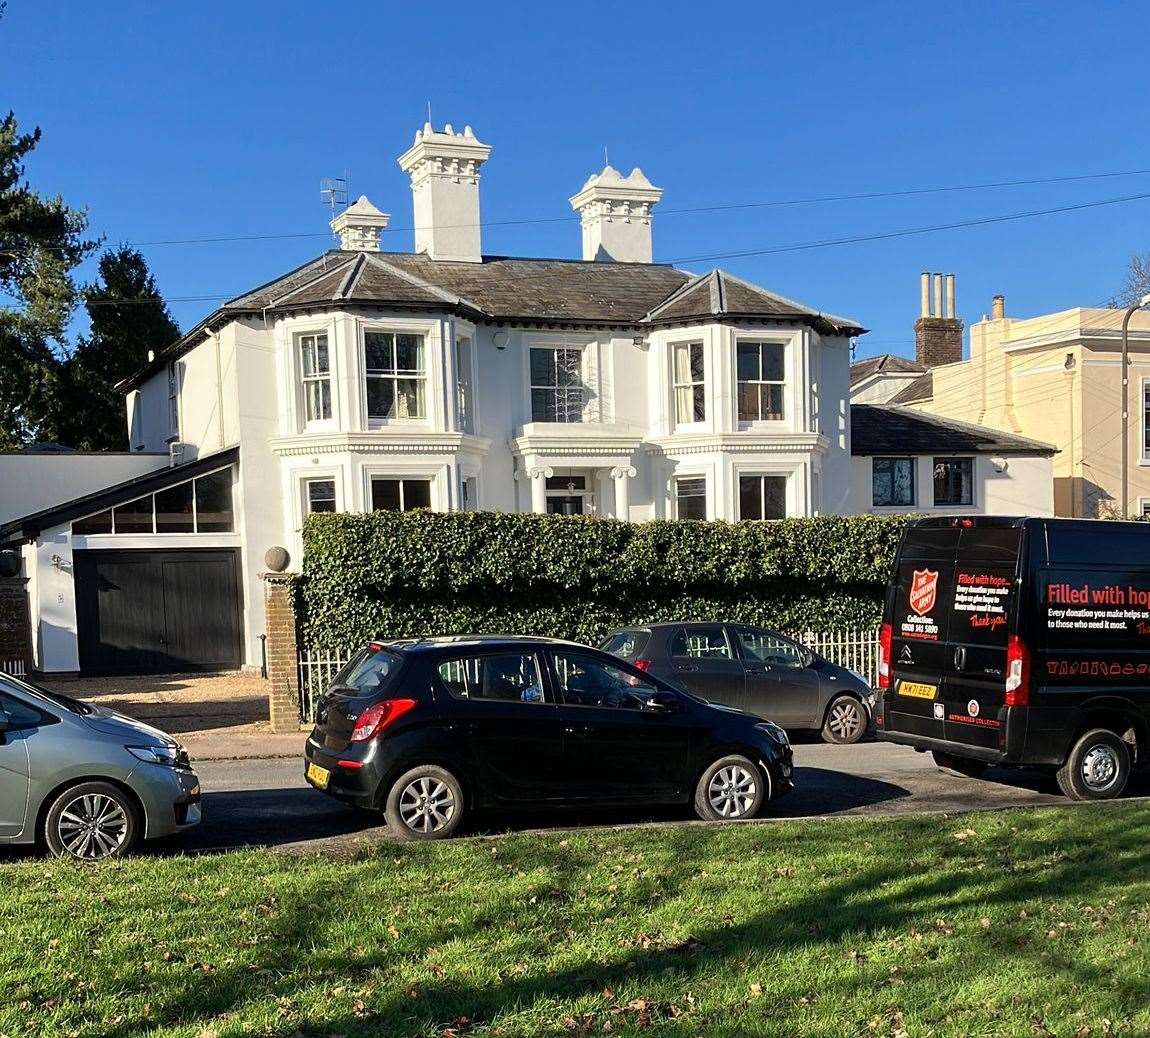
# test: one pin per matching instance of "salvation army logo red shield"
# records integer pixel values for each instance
(923, 590)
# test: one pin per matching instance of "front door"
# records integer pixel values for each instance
(617, 747)
(702, 660)
(511, 723)
(780, 685)
(14, 766)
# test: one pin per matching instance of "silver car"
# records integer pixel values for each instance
(88, 782)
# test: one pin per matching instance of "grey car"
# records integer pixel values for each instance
(88, 782)
(760, 671)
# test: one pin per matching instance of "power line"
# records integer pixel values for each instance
(794, 246)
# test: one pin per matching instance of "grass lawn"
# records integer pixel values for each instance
(1008, 923)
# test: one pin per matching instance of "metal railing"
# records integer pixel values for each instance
(14, 667)
(855, 649)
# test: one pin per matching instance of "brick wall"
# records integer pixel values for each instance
(937, 340)
(282, 652)
(15, 623)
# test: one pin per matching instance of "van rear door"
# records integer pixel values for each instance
(983, 615)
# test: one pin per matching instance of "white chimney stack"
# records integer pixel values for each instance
(444, 169)
(616, 215)
(360, 226)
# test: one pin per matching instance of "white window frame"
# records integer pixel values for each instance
(589, 494)
(584, 388)
(305, 492)
(318, 378)
(914, 481)
(173, 401)
(760, 474)
(1144, 506)
(1146, 421)
(762, 340)
(676, 478)
(973, 502)
(400, 478)
(423, 377)
(690, 384)
(465, 409)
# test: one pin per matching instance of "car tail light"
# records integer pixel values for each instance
(1017, 672)
(884, 639)
(378, 716)
(642, 664)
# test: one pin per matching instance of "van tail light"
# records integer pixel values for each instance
(378, 716)
(1017, 672)
(642, 664)
(884, 641)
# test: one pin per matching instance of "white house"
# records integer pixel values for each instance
(443, 378)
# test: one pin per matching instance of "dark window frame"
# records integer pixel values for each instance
(891, 459)
(958, 461)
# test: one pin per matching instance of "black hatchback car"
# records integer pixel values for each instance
(427, 730)
(760, 671)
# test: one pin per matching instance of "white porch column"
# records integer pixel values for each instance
(539, 475)
(621, 474)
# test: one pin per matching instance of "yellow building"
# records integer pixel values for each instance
(1055, 378)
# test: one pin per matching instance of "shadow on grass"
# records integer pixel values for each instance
(884, 896)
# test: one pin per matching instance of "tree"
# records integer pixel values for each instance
(41, 242)
(127, 318)
(1137, 282)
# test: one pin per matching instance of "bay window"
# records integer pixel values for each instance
(690, 383)
(464, 393)
(396, 374)
(315, 376)
(761, 371)
(762, 497)
(557, 392)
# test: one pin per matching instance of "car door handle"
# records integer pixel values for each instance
(960, 658)
(756, 670)
(685, 666)
(579, 729)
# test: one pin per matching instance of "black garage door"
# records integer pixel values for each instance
(154, 612)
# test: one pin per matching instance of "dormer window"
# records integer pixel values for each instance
(396, 375)
(315, 375)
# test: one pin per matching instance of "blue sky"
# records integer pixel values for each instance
(173, 121)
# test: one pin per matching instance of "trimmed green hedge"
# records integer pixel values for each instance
(392, 574)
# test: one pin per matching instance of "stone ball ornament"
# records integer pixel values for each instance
(277, 559)
(9, 564)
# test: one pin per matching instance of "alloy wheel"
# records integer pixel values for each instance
(845, 720)
(1100, 768)
(92, 826)
(732, 791)
(426, 805)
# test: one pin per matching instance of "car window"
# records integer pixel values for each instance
(589, 681)
(20, 714)
(369, 672)
(628, 644)
(770, 648)
(708, 643)
(509, 677)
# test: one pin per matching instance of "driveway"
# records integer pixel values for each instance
(267, 802)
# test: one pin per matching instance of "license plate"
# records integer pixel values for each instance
(318, 776)
(917, 690)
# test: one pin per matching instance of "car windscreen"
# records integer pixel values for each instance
(369, 673)
(628, 645)
(55, 698)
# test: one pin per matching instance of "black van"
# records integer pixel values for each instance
(1021, 642)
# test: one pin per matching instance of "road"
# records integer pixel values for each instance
(266, 802)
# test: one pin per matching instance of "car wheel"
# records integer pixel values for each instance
(962, 766)
(1097, 768)
(846, 721)
(425, 803)
(92, 821)
(731, 788)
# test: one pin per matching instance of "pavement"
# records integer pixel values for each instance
(265, 802)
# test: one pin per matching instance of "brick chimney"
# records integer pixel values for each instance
(937, 332)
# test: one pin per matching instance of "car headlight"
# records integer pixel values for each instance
(775, 732)
(167, 755)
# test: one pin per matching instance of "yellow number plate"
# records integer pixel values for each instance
(917, 690)
(320, 776)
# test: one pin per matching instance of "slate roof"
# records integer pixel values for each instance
(884, 363)
(510, 290)
(922, 388)
(883, 429)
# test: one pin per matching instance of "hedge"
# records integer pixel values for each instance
(392, 574)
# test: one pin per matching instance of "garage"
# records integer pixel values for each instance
(149, 612)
